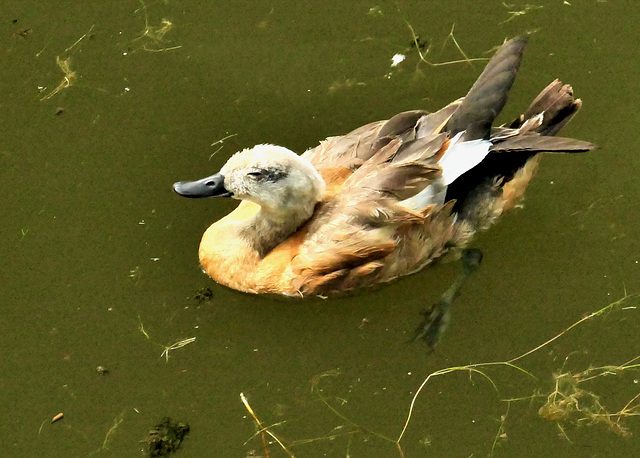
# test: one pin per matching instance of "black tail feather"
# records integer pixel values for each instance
(534, 143)
(488, 95)
(558, 104)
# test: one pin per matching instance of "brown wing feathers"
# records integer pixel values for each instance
(363, 234)
(355, 230)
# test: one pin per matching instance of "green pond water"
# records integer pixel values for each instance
(105, 104)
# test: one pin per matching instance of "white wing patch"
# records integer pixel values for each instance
(434, 193)
(462, 156)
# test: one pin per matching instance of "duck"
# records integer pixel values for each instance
(385, 200)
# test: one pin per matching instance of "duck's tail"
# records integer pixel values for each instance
(488, 95)
(510, 161)
(533, 131)
(547, 114)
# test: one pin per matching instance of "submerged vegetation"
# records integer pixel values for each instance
(151, 39)
(569, 401)
(166, 437)
(203, 294)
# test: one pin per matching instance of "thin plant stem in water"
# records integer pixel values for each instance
(451, 36)
(167, 348)
(175, 346)
(116, 423)
(67, 80)
(263, 429)
(154, 34)
(509, 363)
(79, 40)
(566, 395)
(517, 13)
(220, 142)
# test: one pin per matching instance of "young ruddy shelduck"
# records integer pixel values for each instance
(385, 200)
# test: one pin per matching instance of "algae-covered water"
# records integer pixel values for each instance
(107, 318)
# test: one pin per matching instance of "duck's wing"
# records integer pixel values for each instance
(348, 151)
(357, 228)
(337, 158)
(421, 182)
(391, 201)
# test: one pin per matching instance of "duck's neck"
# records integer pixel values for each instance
(267, 229)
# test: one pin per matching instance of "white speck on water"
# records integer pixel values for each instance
(396, 59)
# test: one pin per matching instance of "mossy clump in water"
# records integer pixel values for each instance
(203, 295)
(166, 437)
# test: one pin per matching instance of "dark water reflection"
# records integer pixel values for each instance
(97, 248)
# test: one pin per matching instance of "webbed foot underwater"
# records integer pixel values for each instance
(384, 200)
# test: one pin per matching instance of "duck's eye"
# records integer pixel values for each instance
(267, 174)
(256, 175)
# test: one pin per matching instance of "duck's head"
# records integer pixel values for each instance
(271, 176)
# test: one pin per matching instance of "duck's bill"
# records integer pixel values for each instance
(212, 186)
